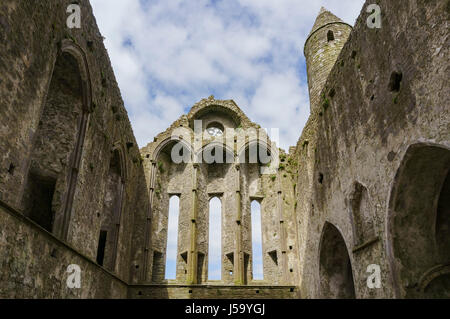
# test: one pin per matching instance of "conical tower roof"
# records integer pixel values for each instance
(325, 17)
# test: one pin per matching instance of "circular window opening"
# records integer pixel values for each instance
(215, 129)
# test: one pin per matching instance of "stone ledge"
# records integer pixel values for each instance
(169, 285)
(170, 290)
(367, 243)
(173, 291)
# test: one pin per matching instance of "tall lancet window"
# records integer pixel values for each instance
(330, 36)
(257, 260)
(172, 238)
(215, 240)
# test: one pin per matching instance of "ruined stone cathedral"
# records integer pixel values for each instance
(366, 190)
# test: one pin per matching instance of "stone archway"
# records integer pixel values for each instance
(55, 155)
(419, 223)
(335, 270)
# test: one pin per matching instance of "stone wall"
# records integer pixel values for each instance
(212, 292)
(236, 184)
(61, 117)
(385, 98)
(34, 264)
(366, 184)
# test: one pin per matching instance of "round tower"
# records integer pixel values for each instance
(322, 48)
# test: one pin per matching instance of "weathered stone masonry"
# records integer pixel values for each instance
(373, 159)
(63, 130)
(236, 182)
(366, 184)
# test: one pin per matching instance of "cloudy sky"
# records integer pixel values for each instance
(172, 238)
(169, 54)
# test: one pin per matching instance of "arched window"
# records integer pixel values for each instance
(215, 240)
(172, 238)
(335, 269)
(330, 36)
(56, 150)
(419, 223)
(257, 254)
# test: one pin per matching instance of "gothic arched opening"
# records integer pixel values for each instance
(419, 222)
(335, 269)
(215, 239)
(57, 144)
(257, 245)
(171, 171)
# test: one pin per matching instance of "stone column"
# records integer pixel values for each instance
(62, 218)
(193, 254)
(148, 223)
(238, 254)
(283, 246)
(117, 221)
(148, 231)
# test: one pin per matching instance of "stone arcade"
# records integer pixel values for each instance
(367, 183)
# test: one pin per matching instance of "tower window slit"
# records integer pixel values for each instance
(330, 36)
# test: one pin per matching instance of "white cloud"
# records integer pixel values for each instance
(168, 54)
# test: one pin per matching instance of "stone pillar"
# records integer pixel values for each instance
(117, 221)
(62, 220)
(193, 254)
(148, 231)
(283, 246)
(238, 254)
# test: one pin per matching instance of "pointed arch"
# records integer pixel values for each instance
(70, 47)
(171, 142)
(252, 151)
(335, 269)
(257, 244)
(52, 176)
(418, 221)
(215, 239)
(120, 149)
(227, 152)
(162, 165)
